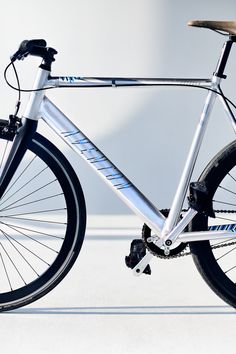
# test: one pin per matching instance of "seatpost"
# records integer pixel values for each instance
(224, 57)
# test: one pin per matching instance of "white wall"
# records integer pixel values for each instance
(126, 38)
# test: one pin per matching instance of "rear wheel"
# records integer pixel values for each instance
(42, 224)
(215, 261)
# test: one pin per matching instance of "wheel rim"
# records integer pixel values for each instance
(34, 229)
(223, 201)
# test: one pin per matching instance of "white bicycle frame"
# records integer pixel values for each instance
(39, 106)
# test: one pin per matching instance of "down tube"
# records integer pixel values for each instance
(134, 199)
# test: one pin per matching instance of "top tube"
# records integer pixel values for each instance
(76, 81)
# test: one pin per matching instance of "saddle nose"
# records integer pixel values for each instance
(225, 26)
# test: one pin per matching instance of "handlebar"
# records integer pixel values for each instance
(35, 47)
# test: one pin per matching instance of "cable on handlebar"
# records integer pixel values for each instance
(19, 89)
(18, 83)
(34, 47)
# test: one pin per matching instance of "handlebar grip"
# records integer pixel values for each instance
(27, 46)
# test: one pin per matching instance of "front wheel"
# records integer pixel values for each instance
(216, 260)
(42, 224)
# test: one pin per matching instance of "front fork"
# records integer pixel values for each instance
(21, 138)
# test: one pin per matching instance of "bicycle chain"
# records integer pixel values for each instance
(183, 253)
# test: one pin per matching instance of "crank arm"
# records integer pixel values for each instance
(139, 268)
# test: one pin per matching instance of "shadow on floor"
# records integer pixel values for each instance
(129, 310)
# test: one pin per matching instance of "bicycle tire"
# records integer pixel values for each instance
(42, 224)
(217, 265)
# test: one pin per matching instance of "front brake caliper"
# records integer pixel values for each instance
(8, 128)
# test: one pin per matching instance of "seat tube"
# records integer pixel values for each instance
(180, 195)
(178, 201)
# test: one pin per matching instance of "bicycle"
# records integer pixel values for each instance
(42, 206)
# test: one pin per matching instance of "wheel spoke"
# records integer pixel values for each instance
(35, 212)
(229, 270)
(227, 190)
(226, 253)
(18, 178)
(42, 221)
(6, 272)
(29, 194)
(13, 263)
(32, 238)
(221, 202)
(18, 251)
(229, 174)
(216, 259)
(30, 230)
(32, 202)
(36, 220)
(26, 248)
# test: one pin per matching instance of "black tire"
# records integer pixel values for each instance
(42, 224)
(218, 265)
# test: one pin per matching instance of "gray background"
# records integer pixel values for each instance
(145, 131)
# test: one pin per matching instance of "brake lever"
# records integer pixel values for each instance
(18, 55)
(26, 47)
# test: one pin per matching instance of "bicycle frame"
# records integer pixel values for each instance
(167, 229)
(113, 176)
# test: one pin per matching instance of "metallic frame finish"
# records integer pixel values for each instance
(39, 106)
(82, 82)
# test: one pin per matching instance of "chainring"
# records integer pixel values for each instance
(157, 251)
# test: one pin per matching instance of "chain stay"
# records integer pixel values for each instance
(188, 253)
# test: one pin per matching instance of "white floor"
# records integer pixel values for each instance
(101, 308)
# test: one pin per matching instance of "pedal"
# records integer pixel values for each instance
(137, 253)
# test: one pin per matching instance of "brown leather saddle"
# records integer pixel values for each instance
(225, 26)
